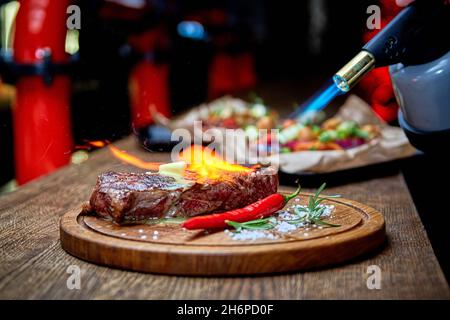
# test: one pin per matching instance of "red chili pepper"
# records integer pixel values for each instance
(260, 209)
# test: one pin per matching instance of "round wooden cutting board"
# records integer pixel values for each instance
(167, 248)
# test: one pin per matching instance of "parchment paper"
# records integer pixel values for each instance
(390, 145)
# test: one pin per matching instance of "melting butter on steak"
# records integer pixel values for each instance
(138, 196)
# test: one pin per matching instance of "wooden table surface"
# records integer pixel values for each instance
(33, 265)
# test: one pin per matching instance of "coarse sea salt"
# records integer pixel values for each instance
(285, 227)
(302, 209)
(251, 235)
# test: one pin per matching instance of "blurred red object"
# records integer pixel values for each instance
(149, 80)
(149, 87)
(376, 87)
(231, 74)
(40, 25)
(42, 131)
(42, 127)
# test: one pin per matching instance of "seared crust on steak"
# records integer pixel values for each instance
(138, 196)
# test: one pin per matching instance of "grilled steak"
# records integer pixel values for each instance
(137, 196)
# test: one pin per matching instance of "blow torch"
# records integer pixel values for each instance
(415, 36)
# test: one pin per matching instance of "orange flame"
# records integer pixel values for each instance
(98, 143)
(202, 163)
(207, 164)
(133, 160)
(90, 144)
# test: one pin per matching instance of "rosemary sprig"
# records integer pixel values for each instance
(324, 223)
(258, 224)
(313, 212)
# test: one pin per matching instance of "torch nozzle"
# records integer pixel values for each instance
(342, 82)
(354, 71)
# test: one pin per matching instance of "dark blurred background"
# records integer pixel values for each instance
(281, 43)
